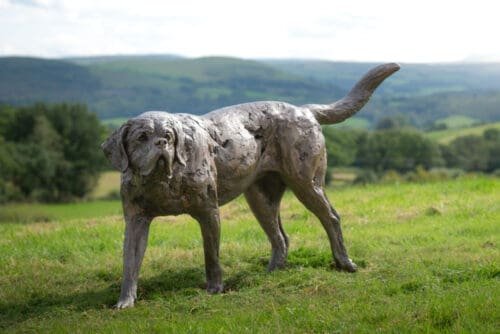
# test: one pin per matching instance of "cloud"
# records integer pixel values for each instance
(35, 3)
(343, 30)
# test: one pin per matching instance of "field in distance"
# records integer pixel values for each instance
(448, 135)
(428, 257)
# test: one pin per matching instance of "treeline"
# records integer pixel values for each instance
(405, 150)
(49, 153)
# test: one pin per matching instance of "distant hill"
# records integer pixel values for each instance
(27, 80)
(411, 80)
(423, 93)
(106, 59)
(123, 86)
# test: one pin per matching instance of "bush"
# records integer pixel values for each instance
(366, 176)
(400, 150)
(474, 153)
(49, 153)
(391, 176)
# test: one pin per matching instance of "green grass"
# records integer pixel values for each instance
(447, 136)
(428, 256)
(46, 213)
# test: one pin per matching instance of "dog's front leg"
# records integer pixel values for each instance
(210, 229)
(134, 246)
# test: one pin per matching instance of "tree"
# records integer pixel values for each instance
(341, 145)
(470, 153)
(49, 153)
(400, 150)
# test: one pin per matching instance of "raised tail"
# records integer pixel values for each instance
(355, 100)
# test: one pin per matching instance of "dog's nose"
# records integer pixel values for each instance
(161, 142)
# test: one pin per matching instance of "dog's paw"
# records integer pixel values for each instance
(215, 288)
(124, 303)
(347, 265)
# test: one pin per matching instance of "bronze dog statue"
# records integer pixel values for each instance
(178, 163)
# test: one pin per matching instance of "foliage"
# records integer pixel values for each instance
(392, 122)
(475, 153)
(426, 265)
(49, 153)
(341, 145)
(382, 153)
(399, 149)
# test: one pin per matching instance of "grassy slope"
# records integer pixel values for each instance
(457, 121)
(428, 254)
(446, 136)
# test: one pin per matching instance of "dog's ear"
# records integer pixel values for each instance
(179, 143)
(114, 149)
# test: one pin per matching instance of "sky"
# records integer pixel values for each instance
(382, 30)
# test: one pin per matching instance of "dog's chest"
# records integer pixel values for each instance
(161, 196)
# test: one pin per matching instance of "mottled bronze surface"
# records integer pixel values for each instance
(178, 163)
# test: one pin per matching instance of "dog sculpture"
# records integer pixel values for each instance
(178, 163)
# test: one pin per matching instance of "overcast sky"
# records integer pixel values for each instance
(379, 30)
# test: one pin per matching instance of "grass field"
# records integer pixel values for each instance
(447, 136)
(428, 257)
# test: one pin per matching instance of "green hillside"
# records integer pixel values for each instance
(28, 80)
(123, 86)
(456, 122)
(197, 85)
(423, 93)
(104, 59)
(411, 80)
(446, 136)
(426, 109)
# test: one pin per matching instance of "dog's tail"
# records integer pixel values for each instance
(355, 100)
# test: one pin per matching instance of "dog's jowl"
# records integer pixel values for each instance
(178, 163)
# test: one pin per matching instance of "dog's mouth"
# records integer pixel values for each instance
(161, 164)
(164, 164)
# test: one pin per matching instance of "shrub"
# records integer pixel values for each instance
(366, 176)
(49, 153)
(400, 150)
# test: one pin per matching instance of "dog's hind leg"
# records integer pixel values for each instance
(264, 197)
(313, 196)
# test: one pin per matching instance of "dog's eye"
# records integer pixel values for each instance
(143, 137)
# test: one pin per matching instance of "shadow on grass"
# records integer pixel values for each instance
(185, 282)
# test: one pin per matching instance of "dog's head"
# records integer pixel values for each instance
(145, 143)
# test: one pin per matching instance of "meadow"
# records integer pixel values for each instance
(427, 254)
